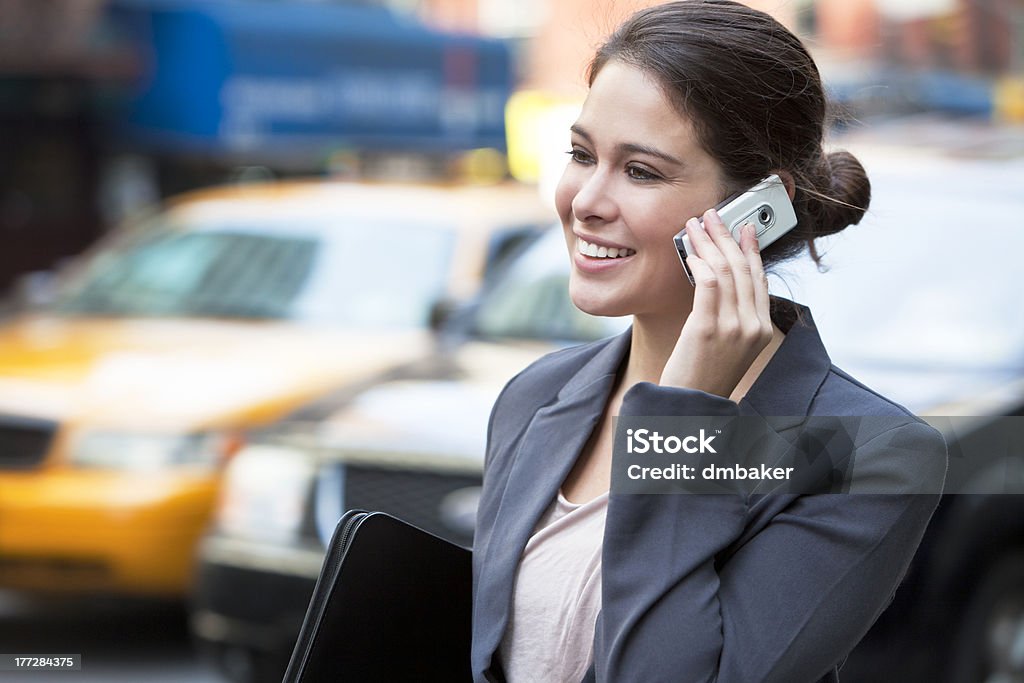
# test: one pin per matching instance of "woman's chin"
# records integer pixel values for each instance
(595, 304)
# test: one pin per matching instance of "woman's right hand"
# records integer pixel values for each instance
(730, 323)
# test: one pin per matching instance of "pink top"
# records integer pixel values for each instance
(557, 595)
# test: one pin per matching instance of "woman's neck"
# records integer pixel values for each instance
(654, 338)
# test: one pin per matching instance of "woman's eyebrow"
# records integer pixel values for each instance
(631, 147)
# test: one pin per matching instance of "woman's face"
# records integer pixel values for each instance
(635, 175)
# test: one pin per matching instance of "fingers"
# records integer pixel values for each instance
(759, 280)
(706, 294)
(737, 265)
(735, 274)
(710, 253)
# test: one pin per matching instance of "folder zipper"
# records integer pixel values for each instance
(332, 563)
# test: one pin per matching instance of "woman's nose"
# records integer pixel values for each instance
(594, 200)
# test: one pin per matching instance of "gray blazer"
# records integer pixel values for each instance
(725, 588)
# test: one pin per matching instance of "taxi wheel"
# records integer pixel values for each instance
(989, 644)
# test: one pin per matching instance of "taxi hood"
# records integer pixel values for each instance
(183, 373)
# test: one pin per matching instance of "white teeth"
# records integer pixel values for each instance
(595, 251)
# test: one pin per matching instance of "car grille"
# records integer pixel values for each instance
(24, 442)
(421, 497)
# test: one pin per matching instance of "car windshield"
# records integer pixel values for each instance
(360, 274)
(531, 299)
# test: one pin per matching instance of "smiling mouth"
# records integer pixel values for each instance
(594, 251)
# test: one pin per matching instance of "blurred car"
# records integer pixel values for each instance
(921, 303)
(122, 401)
(907, 307)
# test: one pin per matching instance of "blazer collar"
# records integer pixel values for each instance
(791, 379)
(606, 361)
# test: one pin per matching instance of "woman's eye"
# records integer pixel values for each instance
(638, 173)
(579, 156)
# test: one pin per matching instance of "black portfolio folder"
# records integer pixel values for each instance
(393, 603)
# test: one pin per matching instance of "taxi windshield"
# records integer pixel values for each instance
(360, 275)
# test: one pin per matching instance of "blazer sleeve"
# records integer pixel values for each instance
(788, 605)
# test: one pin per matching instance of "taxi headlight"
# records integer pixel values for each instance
(141, 451)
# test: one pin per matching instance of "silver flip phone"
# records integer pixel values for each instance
(766, 205)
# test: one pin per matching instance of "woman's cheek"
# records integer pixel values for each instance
(566, 190)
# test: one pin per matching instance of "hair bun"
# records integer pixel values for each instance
(845, 195)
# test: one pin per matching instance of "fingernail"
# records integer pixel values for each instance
(693, 224)
(714, 214)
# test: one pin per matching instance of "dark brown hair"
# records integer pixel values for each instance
(754, 96)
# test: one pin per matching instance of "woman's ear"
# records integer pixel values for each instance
(787, 180)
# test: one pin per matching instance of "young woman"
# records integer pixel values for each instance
(689, 103)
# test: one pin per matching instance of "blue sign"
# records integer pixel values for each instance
(300, 78)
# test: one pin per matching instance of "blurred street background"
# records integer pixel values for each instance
(262, 261)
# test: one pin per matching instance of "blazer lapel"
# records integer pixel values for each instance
(789, 382)
(542, 460)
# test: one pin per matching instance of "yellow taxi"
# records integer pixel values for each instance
(122, 401)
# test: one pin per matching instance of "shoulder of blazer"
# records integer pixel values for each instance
(900, 450)
(842, 394)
